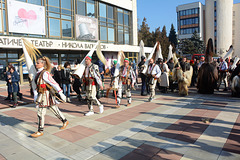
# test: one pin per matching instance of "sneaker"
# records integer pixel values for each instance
(68, 100)
(101, 109)
(15, 105)
(150, 99)
(37, 134)
(129, 104)
(64, 125)
(89, 113)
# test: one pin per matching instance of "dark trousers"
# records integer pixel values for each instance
(143, 78)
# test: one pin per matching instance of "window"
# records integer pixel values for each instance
(90, 10)
(103, 33)
(1, 26)
(54, 3)
(120, 36)
(126, 19)
(102, 10)
(110, 12)
(66, 28)
(180, 12)
(120, 18)
(81, 8)
(111, 36)
(126, 37)
(4, 21)
(106, 22)
(37, 2)
(66, 4)
(196, 11)
(54, 27)
(86, 8)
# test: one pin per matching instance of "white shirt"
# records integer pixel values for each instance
(155, 70)
(223, 66)
(49, 80)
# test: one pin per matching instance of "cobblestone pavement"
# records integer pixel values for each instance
(169, 127)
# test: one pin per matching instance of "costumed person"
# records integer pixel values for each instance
(112, 74)
(223, 68)
(45, 88)
(182, 77)
(236, 79)
(142, 75)
(127, 80)
(154, 74)
(164, 78)
(91, 79)
(44, 97)
(171, 66)
(208, 73)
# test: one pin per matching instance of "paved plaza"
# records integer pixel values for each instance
(170, 127)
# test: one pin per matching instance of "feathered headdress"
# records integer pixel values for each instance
(32, 51)
(141, 51)
(100, 55)
(229, 53)
(149, 57)
(158, 52)
(81, 67)
(175, 60)
(170, 54)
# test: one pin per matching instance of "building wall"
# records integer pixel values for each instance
(186, 7)
(209, 17)
(134, 22)
(224, 25)
(126, 4)
(130, 5)
(236, 28)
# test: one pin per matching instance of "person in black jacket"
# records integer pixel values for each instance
(57, 75)
(66, 80)
(13, 79)
(77, 84)
(143, 76)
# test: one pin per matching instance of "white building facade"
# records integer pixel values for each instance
(65, 30)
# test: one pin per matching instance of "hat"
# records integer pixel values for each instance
(89, 57)
(126, 60)
(142, 57)
(159, 59)
(115, 62)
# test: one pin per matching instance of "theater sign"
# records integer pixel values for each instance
(15, 43)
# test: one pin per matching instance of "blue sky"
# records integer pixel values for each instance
(161, 12)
